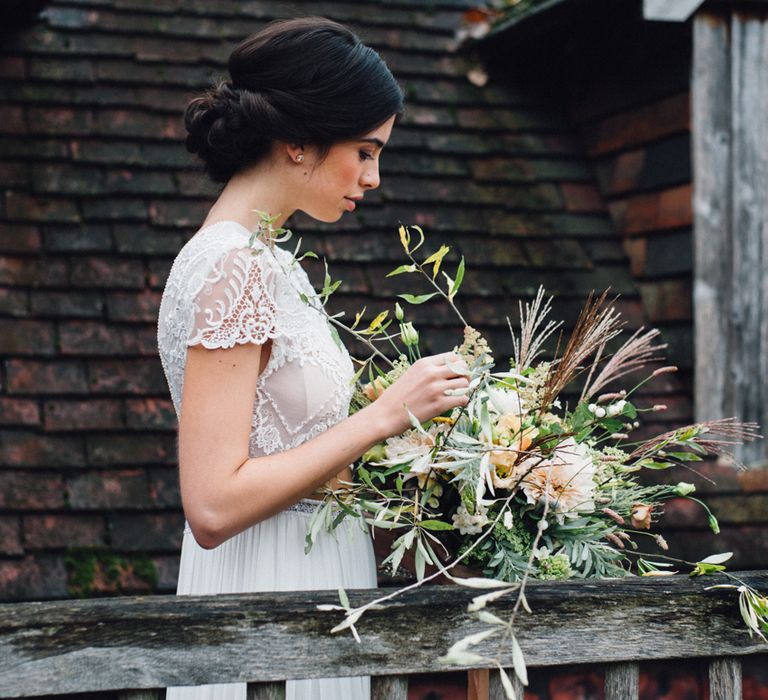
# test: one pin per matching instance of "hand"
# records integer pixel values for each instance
(422, 389)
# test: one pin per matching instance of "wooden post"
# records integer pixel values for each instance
(730, 159)
(725, 678)
(389, 687)
(496, 689)
(140, 694)
(477, 684)
(265, 691)
(622, 681)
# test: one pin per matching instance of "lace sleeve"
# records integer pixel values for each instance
(236, 303)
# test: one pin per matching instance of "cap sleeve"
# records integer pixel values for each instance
(236, 303)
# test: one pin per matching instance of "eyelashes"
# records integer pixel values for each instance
(364, 155)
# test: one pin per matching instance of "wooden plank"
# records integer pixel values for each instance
(730, 160)
(711, 114)
(496, 689)
(477, 684)
(622, 681)
(392, 687)
(747, 395)
(166, 641)
(670, 10)
(725, 679)
(155, 694)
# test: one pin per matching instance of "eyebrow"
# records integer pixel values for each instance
(373, 139)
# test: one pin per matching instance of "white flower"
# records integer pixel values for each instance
(508, 520)
(565, 480)
(599, 412)
(506, 401)
(468, 524)
(413, 448)
(541, 553)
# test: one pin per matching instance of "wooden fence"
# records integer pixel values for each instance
(133, 647)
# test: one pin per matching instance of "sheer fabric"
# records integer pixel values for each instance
(221, 292)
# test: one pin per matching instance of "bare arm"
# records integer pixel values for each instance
(224, 491)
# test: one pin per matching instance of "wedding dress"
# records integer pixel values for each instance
(222, 292)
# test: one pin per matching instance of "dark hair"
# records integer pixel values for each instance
(307, 80)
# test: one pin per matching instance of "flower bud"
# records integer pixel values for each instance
(713, 524)
(600, 412)
(409, 334)
(683, 488)
(398, 311)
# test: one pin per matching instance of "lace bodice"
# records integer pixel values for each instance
(218, 294)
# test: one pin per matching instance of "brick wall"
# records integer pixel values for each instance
(625, 85)
(99, 195)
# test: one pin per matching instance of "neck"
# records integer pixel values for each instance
(257, 189)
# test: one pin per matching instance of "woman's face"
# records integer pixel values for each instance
(349, 170)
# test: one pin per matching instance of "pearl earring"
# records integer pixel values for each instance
(300, 158)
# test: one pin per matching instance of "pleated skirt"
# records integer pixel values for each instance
(270, 557)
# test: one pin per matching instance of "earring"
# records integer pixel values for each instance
(300, 158)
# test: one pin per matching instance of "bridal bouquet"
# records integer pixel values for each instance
(537, 476)
(532, 477)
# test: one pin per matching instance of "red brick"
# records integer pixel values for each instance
(625, 172)
(10, 535)
(160, 532)
(164, 487)
(16, 175)
(150, 414)
(12, 120)
(667, 300)
(670, 208)
(34, 272)
(109, 273)
(19, 411)
(135, 123)
(133, 307)
(581, 197)
(13, 67)
(32, 449)
(60, 120)
(67, 304)
(41, 377)
(637, 251)
(19, 238)
(158, 273)
(33, 578)
(19, 205)
(142, 376)
(62, 531)
(181, 213)
(126, 450)
(90, 338)
(19, 337)
(24, 490)
(640, 126)
(88, 414)
(14, 302)
(100, 489)
(91, 237)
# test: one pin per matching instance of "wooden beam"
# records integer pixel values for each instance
(730, 161)
(725, 679)
(78, 646)
(670, 10)
(622, 681)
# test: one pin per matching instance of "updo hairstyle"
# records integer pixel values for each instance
(307, 80)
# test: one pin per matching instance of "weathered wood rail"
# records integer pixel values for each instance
(134, 647)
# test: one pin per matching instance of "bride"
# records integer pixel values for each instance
(260, 388)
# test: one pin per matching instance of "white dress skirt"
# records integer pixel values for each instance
(270, 557)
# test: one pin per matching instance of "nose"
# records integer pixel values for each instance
(370, 178)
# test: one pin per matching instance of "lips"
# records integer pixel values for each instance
(351, 202)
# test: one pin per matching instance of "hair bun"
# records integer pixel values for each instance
(226, 128)
(306, 80)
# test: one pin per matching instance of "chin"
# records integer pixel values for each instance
(326, 217)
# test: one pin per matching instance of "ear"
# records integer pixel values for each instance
(293, 150)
